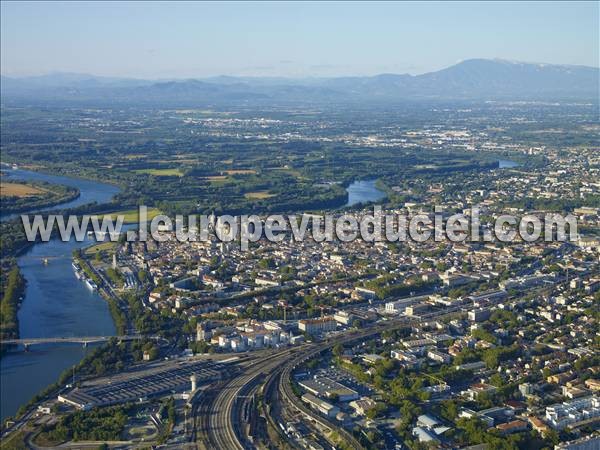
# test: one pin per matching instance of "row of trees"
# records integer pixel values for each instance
(12, 289)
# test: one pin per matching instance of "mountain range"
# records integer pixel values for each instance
(474, 79)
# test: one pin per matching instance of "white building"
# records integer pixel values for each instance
(317, 326)
(396, 307)
(343, 317)
(563, 414)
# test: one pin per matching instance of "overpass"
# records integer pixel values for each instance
(85, 340)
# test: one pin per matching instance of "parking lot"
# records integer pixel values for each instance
(136, 387)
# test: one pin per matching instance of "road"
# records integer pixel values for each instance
(74, 339)
(218, 416)
(218, 412)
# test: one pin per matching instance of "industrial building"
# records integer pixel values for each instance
(320, 405)
(326, 387)
(317, 326)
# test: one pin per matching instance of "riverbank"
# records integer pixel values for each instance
(54, 303)
(118, 316)
(90, 191)
(53, 172)
(22, 196)
(13, 288)
(81, 369)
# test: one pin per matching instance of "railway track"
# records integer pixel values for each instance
(218, 416)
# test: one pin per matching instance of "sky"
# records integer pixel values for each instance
(184, 40)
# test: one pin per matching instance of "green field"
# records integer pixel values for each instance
(258, 195)
(161, 172)
(131, 215)
(103, 246)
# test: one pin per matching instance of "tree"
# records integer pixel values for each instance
(376, 411)
(496, 380)
(449, 409)
(338, 350)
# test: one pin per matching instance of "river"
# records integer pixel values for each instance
(55, 304)
(365, 191)
(89, 191)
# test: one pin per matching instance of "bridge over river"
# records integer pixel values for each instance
(85, 340)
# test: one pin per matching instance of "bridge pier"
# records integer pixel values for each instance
(26, 346)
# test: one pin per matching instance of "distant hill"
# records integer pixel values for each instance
(474, 79)
(482, 78)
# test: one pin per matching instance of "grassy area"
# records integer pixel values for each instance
(101, 247)
(258, 195)
(132, 215)
(162, 172)
(116, 277)
(217, 180)
(19, 190)
(144, 432)
(15, 441)
(293, 172)
(240, 172)
(42, 440)
(86, 267)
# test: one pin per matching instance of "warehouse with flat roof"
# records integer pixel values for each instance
(326, 387)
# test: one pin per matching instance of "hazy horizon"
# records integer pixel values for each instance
(290, 40)
(304, 77)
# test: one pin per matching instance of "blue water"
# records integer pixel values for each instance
(363, 191)
(89, 191)
(56, 303)
(507, 164)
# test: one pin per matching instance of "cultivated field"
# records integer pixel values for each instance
(19, 190)
(258, 195)
(131, 215)
(161, 172)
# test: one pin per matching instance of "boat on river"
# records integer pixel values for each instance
(90, 284)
